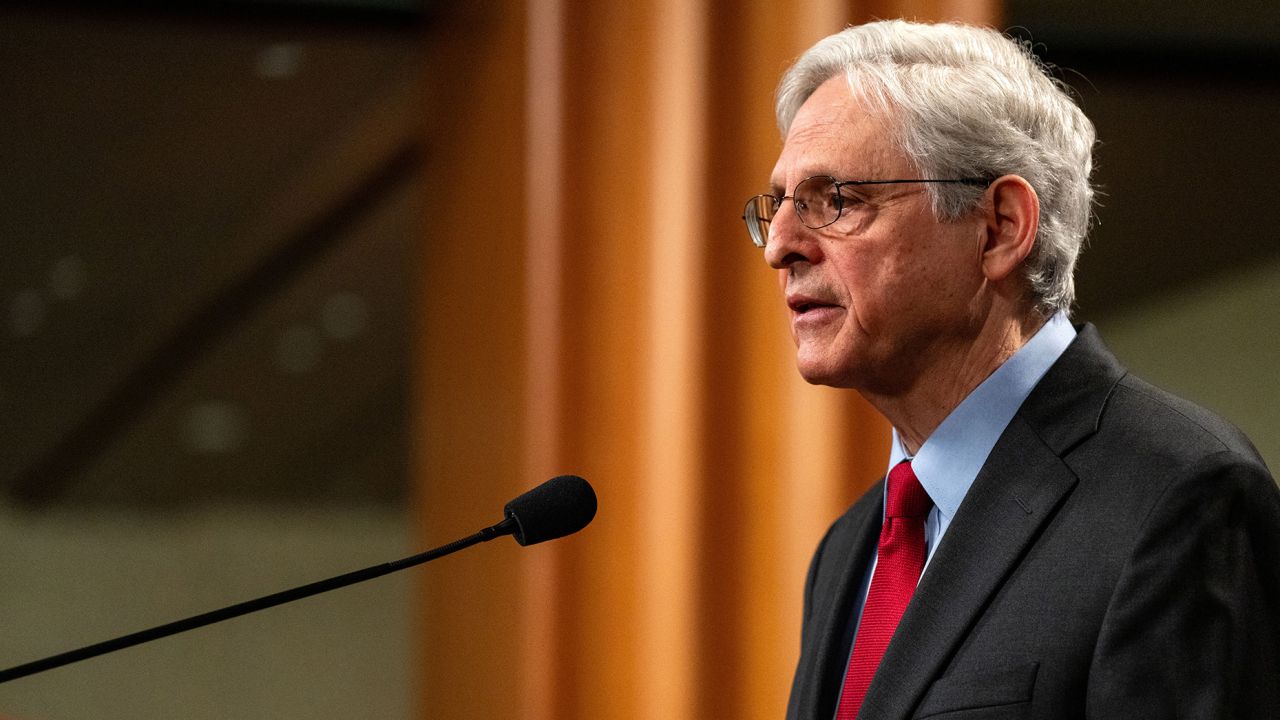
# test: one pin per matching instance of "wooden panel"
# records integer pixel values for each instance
(650, 356)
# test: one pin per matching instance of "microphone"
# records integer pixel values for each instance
(560, 506)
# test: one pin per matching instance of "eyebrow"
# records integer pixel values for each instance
(779, 190)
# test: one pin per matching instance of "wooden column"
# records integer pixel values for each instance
(591, 304)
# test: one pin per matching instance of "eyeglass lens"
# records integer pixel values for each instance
(817, 202)
(760, 210)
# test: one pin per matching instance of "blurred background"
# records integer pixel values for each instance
(292, 288)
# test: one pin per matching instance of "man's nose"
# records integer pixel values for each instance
(789, 241)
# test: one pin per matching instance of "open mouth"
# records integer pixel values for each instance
(801, 306)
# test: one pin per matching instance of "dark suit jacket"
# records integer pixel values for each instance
(1118, 556)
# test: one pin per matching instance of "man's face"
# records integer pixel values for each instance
(878, 297)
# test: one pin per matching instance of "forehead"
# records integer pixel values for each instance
(833, 133)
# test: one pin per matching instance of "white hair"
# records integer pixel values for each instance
(969, 102)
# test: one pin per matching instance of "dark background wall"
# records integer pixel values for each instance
(1182, 272)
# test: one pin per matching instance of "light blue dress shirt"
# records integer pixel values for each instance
(951, 457)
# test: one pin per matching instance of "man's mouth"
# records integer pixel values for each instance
(801, 304)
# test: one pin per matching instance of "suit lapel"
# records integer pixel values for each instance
(844, 559)
(998, 520)
(1019, 488)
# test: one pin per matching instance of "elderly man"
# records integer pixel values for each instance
(1054, 538)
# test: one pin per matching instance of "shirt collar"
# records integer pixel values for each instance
(951, 457)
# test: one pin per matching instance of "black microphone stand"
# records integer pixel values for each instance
(506, 527)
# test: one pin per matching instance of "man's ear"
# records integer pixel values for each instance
(1012, 215)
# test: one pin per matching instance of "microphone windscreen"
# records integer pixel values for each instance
(560, 506)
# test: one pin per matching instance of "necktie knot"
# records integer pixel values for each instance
(905, 496)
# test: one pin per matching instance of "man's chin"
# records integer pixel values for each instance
(823, 372)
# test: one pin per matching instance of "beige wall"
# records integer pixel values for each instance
(69, 579)
(1217, 343)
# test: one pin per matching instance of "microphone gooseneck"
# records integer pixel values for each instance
(556, 508)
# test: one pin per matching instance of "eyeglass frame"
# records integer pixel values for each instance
(754, 223)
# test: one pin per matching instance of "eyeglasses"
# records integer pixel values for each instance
(818, 203)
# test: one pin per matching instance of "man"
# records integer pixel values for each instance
(1063, 540)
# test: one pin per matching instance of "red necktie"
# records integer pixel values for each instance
(899, 561)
